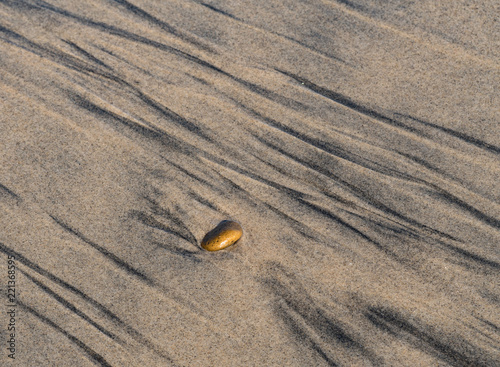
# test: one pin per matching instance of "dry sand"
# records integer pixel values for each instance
(357, 143)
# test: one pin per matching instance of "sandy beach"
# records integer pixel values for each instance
(356, 142)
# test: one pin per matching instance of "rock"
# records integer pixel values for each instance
(224, 235)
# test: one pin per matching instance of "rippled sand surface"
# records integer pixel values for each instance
(357, 143)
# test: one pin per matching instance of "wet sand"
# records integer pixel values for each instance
(356, 142)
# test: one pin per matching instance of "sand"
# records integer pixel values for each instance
(356, 142)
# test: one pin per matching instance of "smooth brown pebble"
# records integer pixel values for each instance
(224, 235)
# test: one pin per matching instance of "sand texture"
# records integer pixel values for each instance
(356, 142)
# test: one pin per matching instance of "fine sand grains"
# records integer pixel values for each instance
(356, 142)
